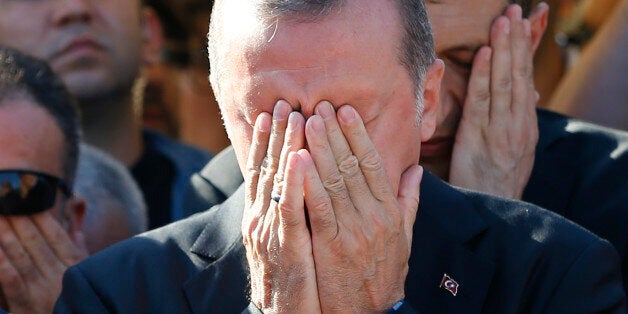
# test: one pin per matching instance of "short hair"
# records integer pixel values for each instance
(417, 42)
(101, 179)
(23, 76)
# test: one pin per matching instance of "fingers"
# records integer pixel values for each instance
(369, 169)
(257, 152)
(11, 281)
(270, 163)
(64, 248)
(291, 211)
(408, 198)
(36, 246)
(321, 214)
(501, 78)
(327, 166)
(521, 49)
(478, 101)
(16, 253)
(293, 141)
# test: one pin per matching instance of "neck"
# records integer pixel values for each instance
(113, 126)
(437, 166)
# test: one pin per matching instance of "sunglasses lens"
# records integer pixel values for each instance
(23, 193)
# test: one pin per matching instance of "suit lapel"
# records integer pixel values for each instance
(446, 227)
(222, 285)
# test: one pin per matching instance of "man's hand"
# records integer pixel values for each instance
(361, 230)
(275, 235)
(35, 251)
(498, 132)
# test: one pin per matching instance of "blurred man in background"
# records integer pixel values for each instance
(98, 48)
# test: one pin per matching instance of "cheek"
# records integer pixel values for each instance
(397, 146)
(240, 133)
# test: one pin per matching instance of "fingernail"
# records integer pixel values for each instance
(281, 111)
(325, 110)
(316, 123)
(293, 121)
(263, 123)
(518, 12)
(507, 27)
(346, 114)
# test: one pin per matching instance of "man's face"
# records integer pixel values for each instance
(460, 28)
(94, 45)
(349, 57)
(37, 145)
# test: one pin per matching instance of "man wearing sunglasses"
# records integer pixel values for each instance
(40, 219)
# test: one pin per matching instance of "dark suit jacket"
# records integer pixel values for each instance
(507, 257)
(581, 172)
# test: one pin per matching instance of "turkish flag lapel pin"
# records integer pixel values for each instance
(449, 284)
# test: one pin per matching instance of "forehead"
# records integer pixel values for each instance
(463, 22)
(319, 57)
(36, 145)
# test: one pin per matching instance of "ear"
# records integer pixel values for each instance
(152, 36)
(75, 213)
(538, 23)
(431, 98)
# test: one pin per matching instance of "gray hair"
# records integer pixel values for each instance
(417, 43)
(108, 186)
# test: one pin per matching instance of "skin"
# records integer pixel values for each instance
(336, 102)
(98, 49)
(486, 127)
(35, 250)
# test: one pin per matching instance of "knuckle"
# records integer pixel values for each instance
(269, 163)
(371, 161)
(334, 185)
(481, 95)
(252, 173)
(348, 165)
(320, 203)
(504, 83)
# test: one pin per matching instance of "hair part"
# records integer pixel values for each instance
(27, 77)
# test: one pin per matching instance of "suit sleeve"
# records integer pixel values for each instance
(592, 283)
(77, 295)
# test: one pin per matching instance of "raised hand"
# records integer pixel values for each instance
(361, 230)
(35, 251)
(498, 132)
(275, 234)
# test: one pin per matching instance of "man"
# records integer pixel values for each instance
(40, 228)
(98, 49)
(350, 84)
(487, 129)
(487, 110)
(115, 207)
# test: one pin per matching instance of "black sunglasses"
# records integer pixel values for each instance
(26, 192)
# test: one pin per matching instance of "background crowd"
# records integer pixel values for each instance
(110, 128)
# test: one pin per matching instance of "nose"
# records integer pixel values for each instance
(72, 11)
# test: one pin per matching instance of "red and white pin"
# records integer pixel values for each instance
(449, 284)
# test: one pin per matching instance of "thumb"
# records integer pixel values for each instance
(408, 197)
